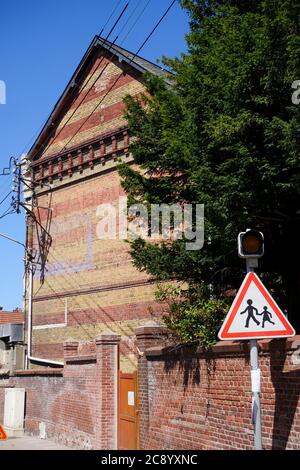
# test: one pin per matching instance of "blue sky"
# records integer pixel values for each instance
(41, 44)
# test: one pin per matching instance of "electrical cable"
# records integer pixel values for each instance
(117, 20)
(155, 27)
(127, 21)
(118, 78)
(111, 15)
(5, 187)
(41, 127)
(137, 19)
(5, 197)
(6, 170)
(143, 44)
(102, 71)
(7, 212)
(86, 94)
(132, 59)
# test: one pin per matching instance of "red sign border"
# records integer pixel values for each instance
(3, 435)
(252, 277)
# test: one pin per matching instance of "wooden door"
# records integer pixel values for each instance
(128, 425)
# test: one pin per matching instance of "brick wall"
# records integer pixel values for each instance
(193, 400)
(89, 284)
(77, 404)
(188, 399)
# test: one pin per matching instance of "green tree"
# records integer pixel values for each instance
(225, 134)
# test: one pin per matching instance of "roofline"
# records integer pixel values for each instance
(73, 84)
(57, 107)
(110, 46)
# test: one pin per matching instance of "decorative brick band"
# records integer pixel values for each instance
(38, 372)
(107, 147)
(71, 348)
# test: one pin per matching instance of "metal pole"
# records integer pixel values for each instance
(255, 381)
(29, 326)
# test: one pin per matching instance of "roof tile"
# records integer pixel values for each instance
(11, 318)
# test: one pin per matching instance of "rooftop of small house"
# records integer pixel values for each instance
(15, 317)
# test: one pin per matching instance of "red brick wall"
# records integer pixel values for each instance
(188, 399)
(191, 400)
(66, 406)
(76, 403)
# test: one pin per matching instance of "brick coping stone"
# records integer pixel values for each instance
(224, 347)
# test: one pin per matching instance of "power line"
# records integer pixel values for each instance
(41, 242)
(118, 19)
(41, 127)
(7, 212)
(35, 134)
(111, 15)
(102, 71)
(5, 187)
(128, 19)
(51, 253)
(6, 170)
(5, 197)
(44, 239)
(137, 19)
(97, 78)
(119, 76)
(43, 236)
(155, 27)
(43, 255)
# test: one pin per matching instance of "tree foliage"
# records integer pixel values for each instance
(225, 134)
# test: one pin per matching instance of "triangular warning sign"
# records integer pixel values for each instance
(254, 314)
(3, 435)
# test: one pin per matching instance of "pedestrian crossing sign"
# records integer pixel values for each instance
(254, 314)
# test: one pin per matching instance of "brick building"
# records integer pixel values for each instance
(88, 285)
(89, 302)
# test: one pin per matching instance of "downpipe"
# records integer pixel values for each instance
(29, 357)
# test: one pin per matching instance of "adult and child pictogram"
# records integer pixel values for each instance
(251, 310)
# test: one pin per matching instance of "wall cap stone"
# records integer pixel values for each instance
(71, 343)
(151, 328)
(107, 337)
(80, 359)
(223, 347)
